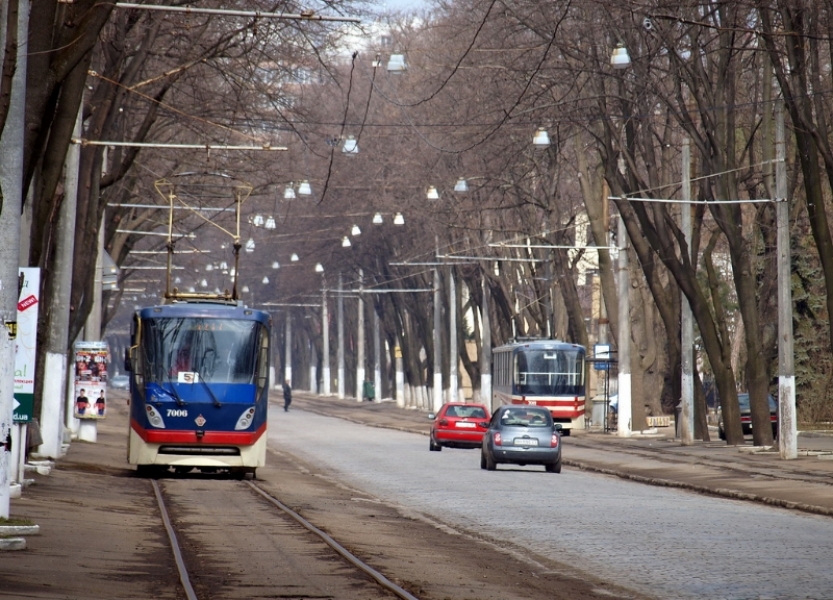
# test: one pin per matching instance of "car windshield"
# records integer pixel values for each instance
(525, 418)
(470, 412)
(743, 402)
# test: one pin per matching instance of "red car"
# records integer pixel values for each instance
(458, 425)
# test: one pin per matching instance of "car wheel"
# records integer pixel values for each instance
(491, 465)
(553, 467)
(433, 446)
(482, 459)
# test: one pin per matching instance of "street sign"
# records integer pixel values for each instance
(25, 346)
(601, 355)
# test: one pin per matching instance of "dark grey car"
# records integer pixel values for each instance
(522, 435)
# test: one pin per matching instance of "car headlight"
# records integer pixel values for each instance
(245, 419)
(154, 417)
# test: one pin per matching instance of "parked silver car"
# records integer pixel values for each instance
(119, 382)
(522, 435)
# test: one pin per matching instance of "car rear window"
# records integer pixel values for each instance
(526, 418)
(470, 412)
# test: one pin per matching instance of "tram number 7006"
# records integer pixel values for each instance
(175, 412)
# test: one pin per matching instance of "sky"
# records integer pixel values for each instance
(405, 5)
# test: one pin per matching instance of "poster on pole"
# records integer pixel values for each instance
(91, 360)
(25, 346)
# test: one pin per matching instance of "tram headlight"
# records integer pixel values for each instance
(154, 417)
(245, 419)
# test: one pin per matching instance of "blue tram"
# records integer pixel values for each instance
(199, 387)
(545, 373)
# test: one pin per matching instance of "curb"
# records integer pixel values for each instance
(719, 492)
(15, 543)
(12, 530)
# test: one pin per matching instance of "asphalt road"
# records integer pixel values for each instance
(666, 542)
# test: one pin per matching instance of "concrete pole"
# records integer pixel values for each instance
(624, 422)
(325, 330)
(438, 347)
(485, 347)
(287, 353)
(92, 327)
(56, 359)
(11, 181)
(453, 353)
(787, 434)
(360, 376)
(686, 429)
(340, 332)
(400, 378)
(313, 372)
(377, 356)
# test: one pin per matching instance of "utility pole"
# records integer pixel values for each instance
(485, 347)
(438, 350)
(377, 356)
(11, 184)
(287, 355)
(360, 376)
(325, 345)
(340, 332)
(55, 401)
(454, 355)
(623, 426)
(686, 429)
(787, 434)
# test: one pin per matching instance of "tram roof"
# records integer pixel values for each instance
(207, 310)
(537, 344)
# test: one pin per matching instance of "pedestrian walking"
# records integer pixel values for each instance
(287, 395)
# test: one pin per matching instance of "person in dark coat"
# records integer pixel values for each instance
(287, 395)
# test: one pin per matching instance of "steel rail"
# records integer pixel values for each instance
(346, 554)
(180, 563)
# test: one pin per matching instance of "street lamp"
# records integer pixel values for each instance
(304, 188)
(432, 193)
(396, 64)
(289, 193)
(355, 231)
(620, 59)
(462, 186)
(541, 139)
(351, 146)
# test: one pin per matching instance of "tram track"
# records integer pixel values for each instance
(190, 575)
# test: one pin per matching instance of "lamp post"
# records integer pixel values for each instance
(621, 60)
(325, 332)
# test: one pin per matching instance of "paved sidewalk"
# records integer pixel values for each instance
(739, 472)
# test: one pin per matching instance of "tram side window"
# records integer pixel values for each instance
(263, 361)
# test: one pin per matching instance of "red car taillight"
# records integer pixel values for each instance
(554, 441)
(496, 438)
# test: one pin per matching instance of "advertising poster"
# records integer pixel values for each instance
(25, 346)
(91, 360)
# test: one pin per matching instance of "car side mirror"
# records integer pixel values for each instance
(556, 427)
(432, 416)
(484, 424)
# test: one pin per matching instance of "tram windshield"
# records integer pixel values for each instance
(218, 350)
(549, 372)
